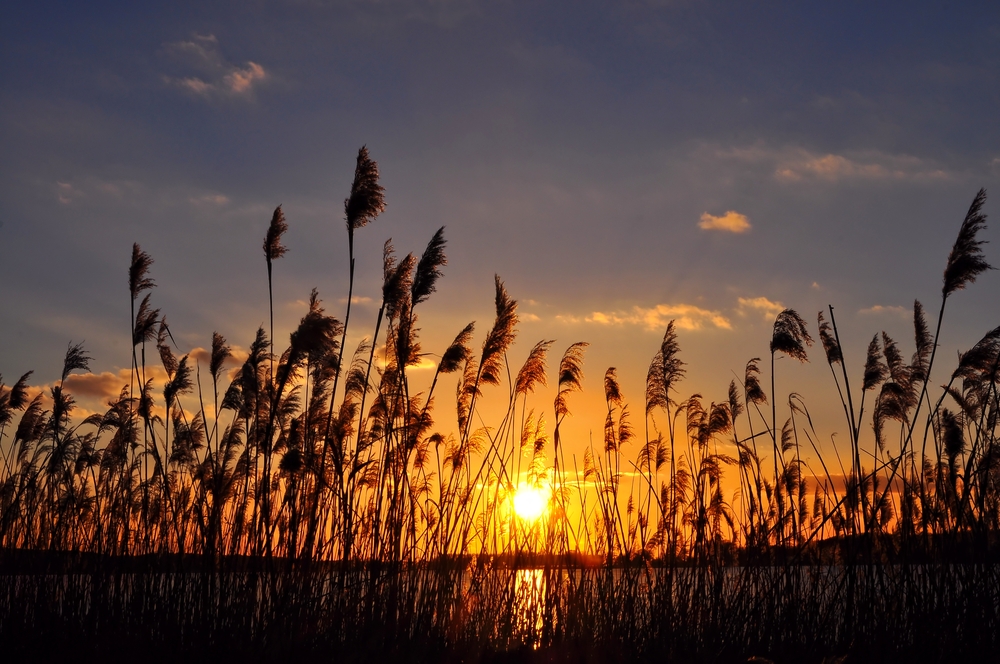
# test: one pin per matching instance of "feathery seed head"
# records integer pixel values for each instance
(273, 249)
(429, 268)
(790, 335)
(367, 198)
(220, 353)
(76, 358)
(751, 382)
(533, 371)
(875, 370)
(966, 262)
(570, 375)
(458, 352)
(830, 345)
(138, 281)
(500, 337)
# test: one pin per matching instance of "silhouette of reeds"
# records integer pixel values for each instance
(323, 504)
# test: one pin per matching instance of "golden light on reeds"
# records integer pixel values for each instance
(530, 502)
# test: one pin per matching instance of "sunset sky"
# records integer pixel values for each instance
(618, 164)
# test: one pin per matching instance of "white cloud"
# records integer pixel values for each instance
(214, 75)
(764, 306)
(731, 222)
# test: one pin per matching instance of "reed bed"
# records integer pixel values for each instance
(788, 613)
(319, 501)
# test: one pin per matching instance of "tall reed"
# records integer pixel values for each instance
(310, 456)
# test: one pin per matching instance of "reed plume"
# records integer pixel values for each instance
(429, 268)
(138, 271)
(532, 372)
(367, 199)
(966, 261)
(500, 336)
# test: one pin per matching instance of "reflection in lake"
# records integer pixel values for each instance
(529, 604)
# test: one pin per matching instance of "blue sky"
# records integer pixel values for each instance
(600, 157)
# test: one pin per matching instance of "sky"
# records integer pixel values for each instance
(618, 165)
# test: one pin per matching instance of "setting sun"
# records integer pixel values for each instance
(530, 502)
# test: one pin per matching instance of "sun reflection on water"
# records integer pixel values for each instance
(529, 604)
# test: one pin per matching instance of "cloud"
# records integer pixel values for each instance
(731, 222)
(356, 299)
(685, 317)
(880, 309)
(791, 164)
(423, 363)
(104, 386)
(67, 193)
(214, 75)
(96, 189)
(94, 192)
(866, 166)
(763, 305)
(529, 318)
(239, 81)
(209, 200)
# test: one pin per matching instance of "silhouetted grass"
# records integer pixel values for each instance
(328, 508)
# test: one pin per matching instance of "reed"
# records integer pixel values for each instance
(327, 503)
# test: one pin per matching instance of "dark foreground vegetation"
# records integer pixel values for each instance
(308, 504)
(791, 613)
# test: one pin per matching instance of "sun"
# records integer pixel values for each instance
(530, 502)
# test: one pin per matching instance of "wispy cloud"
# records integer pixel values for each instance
(796, 164)
(731, 222)
(214, 75)
(423, 363)
(767, 308)
(209, 200)
(66, 193)
(75, 191)
(90, 190)
(867, 166)
(685, 317)
(355, 299)
(879, 309)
